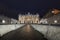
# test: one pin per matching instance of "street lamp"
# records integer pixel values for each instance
(55, 21)
(3, 21)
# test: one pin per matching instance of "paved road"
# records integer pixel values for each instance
(26, 32)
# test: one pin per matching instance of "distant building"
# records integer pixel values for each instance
(53, 17)
(4, 20)
(28, 18)
(14, 21)
(7, 20)
(43, 21)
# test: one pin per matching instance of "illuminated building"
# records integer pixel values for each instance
(28, 18)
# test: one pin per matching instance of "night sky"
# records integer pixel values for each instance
(12, 8)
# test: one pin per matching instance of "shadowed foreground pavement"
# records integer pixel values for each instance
(26, 32)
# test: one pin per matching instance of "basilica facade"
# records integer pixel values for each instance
(29, 18)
